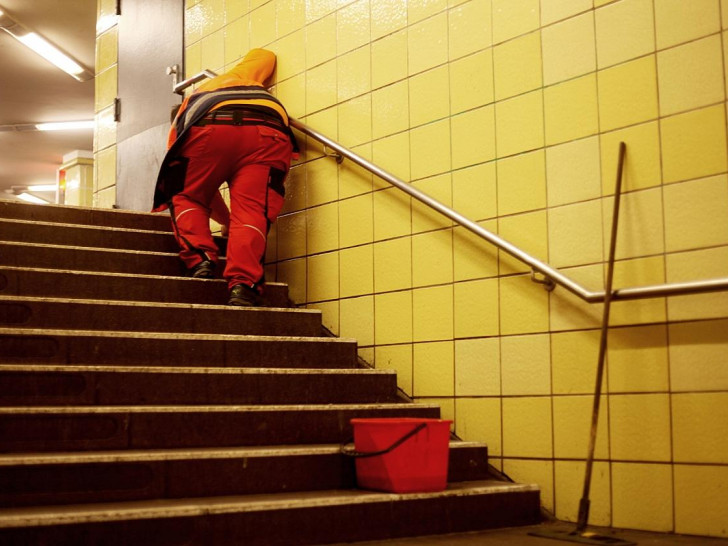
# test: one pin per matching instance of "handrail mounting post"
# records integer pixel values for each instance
(174, 72)
(336, 155)
(547, 282)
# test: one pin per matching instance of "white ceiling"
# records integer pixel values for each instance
(32, 90)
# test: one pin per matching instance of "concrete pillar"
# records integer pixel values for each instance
(79, 178)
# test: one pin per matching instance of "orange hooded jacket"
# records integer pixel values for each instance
(242, 85)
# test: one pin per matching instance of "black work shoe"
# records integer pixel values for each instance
(243, 296)
(203, 270)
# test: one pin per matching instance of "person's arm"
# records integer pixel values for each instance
(220, 213)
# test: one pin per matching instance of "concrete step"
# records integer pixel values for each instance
(87, 347)
(39, 385)
(73, 478)
(287, 519)
(22, 231)
(76, 258)
(60, 283)
(80, 428)
(51, 233)
(83, 215)
(78, 314)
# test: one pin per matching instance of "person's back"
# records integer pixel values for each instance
(252, 72)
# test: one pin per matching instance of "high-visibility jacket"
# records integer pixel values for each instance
(242, 86)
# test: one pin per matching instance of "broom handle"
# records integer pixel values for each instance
(584, 502)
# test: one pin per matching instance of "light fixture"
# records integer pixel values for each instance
(65, 125)
(32, 199)
(42, 187)
(29, 193)
(50, 53)
(43, 48)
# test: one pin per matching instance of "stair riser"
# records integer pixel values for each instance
(51, 234)
(85, 483)
(99, 286)
(21, 431)
(39, 388)
(138, 318)
(294, 527)
(84, 259)
(122, 351)
(77, 215)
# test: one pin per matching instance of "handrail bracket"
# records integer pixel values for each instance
(174, 71)
(336, 155)
(547, 282)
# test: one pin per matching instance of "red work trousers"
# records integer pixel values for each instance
(254, 160)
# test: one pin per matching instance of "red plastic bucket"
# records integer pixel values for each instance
(418, 464)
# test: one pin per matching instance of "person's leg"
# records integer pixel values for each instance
(191, 226)
(256, 198)
(190, 210)
(255, 205)
(249, 217)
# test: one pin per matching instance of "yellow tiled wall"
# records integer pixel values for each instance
(511, 111)
(106, 92)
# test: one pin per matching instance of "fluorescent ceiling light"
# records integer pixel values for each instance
(44, 48)
(65, 125)
(42, 187)
(32, 199)
(51, 53)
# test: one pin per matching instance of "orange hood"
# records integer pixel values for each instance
(257, 66)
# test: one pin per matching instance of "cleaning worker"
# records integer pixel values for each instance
(231, 129)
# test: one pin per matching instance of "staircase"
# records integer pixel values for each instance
(137, 409)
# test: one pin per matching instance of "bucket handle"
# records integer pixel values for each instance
(363, 454)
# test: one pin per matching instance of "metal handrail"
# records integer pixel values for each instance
(556, 276)
(552, 276)
(184, 84)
